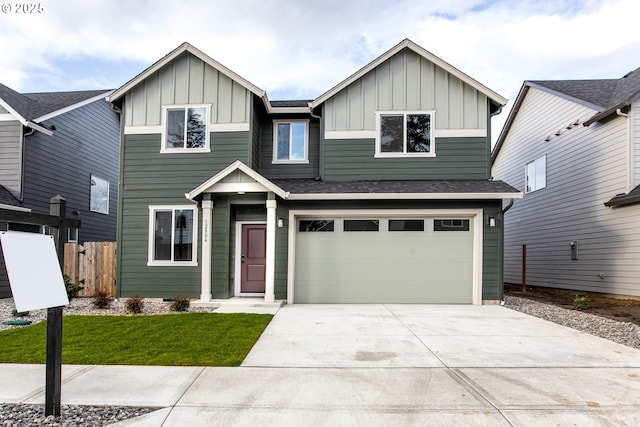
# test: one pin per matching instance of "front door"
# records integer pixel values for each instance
(252, 258)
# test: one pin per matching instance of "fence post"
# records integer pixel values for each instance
(53, 382)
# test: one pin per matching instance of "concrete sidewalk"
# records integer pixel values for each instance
(376, 365)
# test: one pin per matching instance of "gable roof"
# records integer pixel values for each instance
(186, 47)
(605, 96)
(498, 100)
(31, 108)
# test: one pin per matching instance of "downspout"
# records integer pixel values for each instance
(630, 177)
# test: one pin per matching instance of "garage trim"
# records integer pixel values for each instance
(475, 215)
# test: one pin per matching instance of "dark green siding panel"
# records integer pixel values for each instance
(220, 231)
(135, 277)
(456, 158)
(492, 260)
(282, 253)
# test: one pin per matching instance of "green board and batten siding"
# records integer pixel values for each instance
(406, 81)
(154, 178)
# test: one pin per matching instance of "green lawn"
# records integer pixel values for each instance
(185, 339)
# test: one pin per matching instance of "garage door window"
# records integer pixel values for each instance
(361, 225)
(316, 225)
(450, 225)
(406, 225)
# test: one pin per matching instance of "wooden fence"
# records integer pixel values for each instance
(93, 265)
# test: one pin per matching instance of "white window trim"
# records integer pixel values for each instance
(151, 236)
(92, 177)
(380, 154)
(163, 125)
(274, 159)
(526, 174)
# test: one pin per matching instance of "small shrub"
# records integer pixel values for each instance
(102, 300)
(72, 288)
(580, 302)
(16, 313)
(179, 303)
(134, 305)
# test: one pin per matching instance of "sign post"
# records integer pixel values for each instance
(43, 286)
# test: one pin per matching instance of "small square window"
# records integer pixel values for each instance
(536, 174)
(99, 195)
(185, 128)
(290, 141)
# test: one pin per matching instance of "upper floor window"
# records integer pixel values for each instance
(536, 174)
(99, 195)
(408, 133)
(185, 128)
(290, 141)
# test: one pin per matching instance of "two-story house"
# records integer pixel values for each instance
(377, 191)
(573, 148)
(59, 143)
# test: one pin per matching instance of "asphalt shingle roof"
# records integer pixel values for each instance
(33, 105)
(630, 198)
(312, 186)
(6, 198)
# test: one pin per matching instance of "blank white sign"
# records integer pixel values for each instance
(33, 270)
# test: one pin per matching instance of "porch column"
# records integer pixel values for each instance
(270, 261)
(205, 284)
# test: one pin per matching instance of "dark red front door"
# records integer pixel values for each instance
(253, 253)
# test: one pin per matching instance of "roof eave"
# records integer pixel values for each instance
(606, 113)
(622, 201)
(404, 196)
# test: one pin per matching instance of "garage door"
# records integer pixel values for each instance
(384, 260)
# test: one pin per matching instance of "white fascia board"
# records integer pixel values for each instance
(185, 47)
(13, 112)
(237, 165)
(14, 208)
(73, 107)
(406, 43)
(405, 196)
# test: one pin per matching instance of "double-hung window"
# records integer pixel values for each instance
(172, 235)
(536, 174)
(185, 128)
(290, 141)
(405, 133)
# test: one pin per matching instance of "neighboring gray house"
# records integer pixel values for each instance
(573, 148)
(64, 143)
(378, 191)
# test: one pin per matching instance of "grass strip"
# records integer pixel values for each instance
(181, 339)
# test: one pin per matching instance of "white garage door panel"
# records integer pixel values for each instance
(385, 266)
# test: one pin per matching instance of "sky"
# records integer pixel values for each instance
(299, 49)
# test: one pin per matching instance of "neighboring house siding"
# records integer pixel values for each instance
(585, 168)
(635, 135)
(456, 158)
(187, 80)
(153, 178)
(294, 170)
(5, 288)
(85, 142)
(407, 81)
(11, 156)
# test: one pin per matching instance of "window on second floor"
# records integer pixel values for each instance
(405, 133)
(99, 201)
(290, 141)
(185, 128)
(536, 174)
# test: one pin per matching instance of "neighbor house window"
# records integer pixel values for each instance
(185, 128)
(290, 141)
(172, 235)
(99, 195)
(405, 134)
(536, 174)
(72, 235)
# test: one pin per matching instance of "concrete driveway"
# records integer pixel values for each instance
(375, 365)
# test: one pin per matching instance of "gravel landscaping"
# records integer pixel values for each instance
(31, 415)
